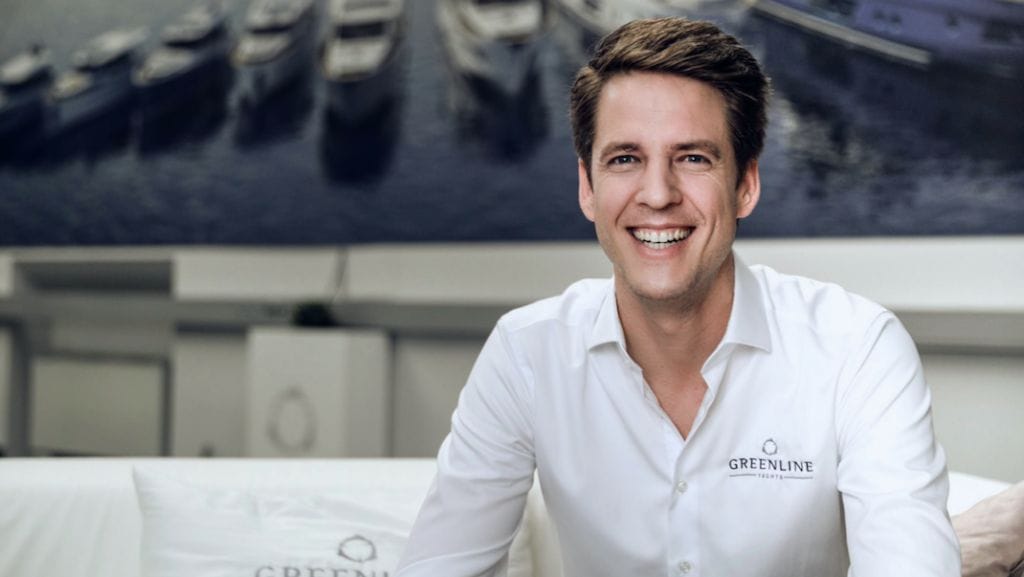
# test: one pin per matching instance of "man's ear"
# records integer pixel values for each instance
(586, 192)
(749, 190)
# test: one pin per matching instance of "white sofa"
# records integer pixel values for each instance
(81, 516)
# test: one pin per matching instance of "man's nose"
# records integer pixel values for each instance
(659, 188)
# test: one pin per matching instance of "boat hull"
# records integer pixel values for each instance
(257, 81)
(353, 99)
(503, 64)
(108, 89)
(22, 106)
(208, 73)
(19, 116)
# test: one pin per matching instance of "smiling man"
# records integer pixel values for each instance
(692, 415)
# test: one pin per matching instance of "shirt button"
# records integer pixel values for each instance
(685, 567)
(681, 487)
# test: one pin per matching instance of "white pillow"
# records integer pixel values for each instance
(214, 531)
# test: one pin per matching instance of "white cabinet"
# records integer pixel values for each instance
(318, 393)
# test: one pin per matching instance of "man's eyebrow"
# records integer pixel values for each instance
(613, 147)
(704, 145)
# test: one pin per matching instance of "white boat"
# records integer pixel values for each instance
(24, 80)
(585, 22)
(276, 47)
(100, 80)
(191, 50)
(494, 41)
(360, 57)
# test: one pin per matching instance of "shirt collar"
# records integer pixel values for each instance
(748, 321)
(607, 328)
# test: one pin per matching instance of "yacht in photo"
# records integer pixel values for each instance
(100, 80)
(277, 46)
(494, 41)
(24, 80)
(360, 57)
(193, 52)
(981, 35)
(584, 22)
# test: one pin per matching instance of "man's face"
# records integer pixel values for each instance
(664, 197)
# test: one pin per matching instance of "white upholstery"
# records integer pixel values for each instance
(80, 516)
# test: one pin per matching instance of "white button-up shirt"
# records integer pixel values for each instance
(812, 453)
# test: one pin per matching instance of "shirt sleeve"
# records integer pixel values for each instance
(892, 473)
(484, 471)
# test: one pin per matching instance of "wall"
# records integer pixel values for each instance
(85, 406)
(208, 371)
(5, 386)
(429, 374)
(978, 407)
(961, 298)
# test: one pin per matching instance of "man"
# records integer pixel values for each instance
(692, 415)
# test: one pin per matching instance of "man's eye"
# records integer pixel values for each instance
(623, 159)
(695, 162)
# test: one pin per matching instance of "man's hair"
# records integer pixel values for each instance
(690, 48)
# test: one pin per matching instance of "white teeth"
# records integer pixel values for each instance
(660, 238)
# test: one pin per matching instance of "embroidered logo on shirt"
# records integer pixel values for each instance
(770, 466)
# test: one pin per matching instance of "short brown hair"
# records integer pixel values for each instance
(691, 48)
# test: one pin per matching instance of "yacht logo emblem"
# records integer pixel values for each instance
(358, 549)
(770, 464)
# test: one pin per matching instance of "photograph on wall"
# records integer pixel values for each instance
(311, 122)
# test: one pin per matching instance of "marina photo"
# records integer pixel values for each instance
(306, 122)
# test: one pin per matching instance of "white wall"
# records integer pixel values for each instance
(429, 374)
(208, 399)
(978, 408)
(5, 386)
(150, 339)
(101, 407)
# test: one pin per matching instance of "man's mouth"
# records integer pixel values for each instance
(658, 239)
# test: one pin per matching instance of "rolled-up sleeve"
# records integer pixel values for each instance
(892, 472)
(484, 471)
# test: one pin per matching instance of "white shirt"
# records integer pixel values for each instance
(812, 453)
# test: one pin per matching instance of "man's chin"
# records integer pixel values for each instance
(660, 293)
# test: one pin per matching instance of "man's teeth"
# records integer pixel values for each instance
(661, 238)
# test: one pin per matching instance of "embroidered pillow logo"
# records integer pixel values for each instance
(356, 556)
(769, 465)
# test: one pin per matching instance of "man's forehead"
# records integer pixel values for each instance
(635, 108)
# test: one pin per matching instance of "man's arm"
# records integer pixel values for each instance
(484, 471)
(892, 472)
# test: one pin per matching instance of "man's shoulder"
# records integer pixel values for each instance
(578, 305)
(821, 305)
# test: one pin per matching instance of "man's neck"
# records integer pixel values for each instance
(678, 337)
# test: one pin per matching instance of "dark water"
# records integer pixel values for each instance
(857, 146)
